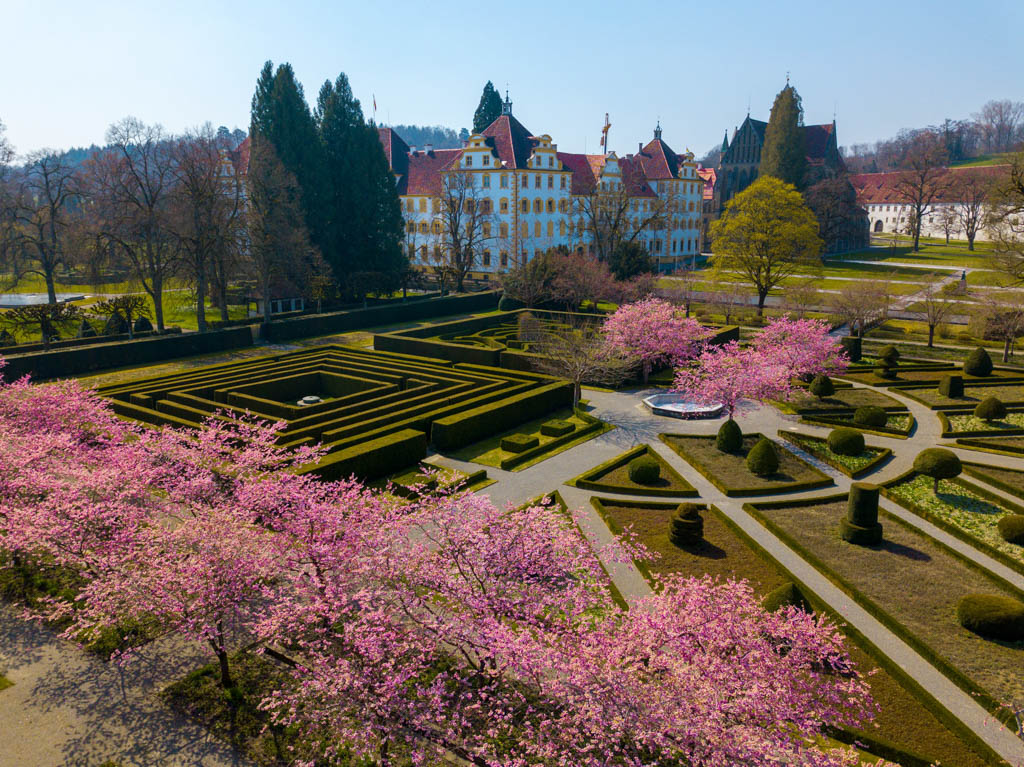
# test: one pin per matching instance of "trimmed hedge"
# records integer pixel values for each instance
(730, 437)
(882, 456)
(473, 425)
(584, 482)
(83, 359)
(762, 459)
(853, 347)
(990, 409)
(557, 428)
(822, 386)
(992, 616)
(592, 425)
(373, 459)
(1011, 527)
(952, 386)
(687, 526)
(862, 507)
(517, 443)
(870, 415)
(786, 595)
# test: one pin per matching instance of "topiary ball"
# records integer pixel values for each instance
(978, 363)
(763, 458)
(822, 386)
(951, 386)
(1011, 527)
(990, 409)
(730, 437)
(687, 526)
(937, 463)
(870, 415)
(644, 470)
(844, 441)
(992, 616)
(786, 595)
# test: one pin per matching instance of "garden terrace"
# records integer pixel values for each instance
(912, 584)
(613, 477)
(495, 339)
(377, 410)
(904, 720)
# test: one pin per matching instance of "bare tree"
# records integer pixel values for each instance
(949, 220)
(580, 277)
(801, 296)
(684, 288)
(1001, 317)
(277, 246)
(49, 319)
(998, 122)
(861, 303)
(206, 211)
(580, 355)
(1006, 221)
(613, 217)
(922, 180)
(935, 306)
(44, 192)
(972, 191)
(128, 307)
(133, 185)
(466, 219)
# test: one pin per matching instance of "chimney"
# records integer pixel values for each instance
(429, 149)
(412, 149)
(639, 147)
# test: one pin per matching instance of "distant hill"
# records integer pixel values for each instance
(437, 135)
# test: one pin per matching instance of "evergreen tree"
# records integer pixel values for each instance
(489, 108)
(364, 228)
(784, 155)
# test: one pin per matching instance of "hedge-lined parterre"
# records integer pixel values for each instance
(362, 398)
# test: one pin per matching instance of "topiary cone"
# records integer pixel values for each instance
(978, 363)
(730, 437)
(763, 459)
(822, 386)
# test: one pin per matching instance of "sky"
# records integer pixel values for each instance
(73, 68)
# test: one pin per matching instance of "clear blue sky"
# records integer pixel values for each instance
(72, 68)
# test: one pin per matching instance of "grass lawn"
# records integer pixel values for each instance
(902, 719)
(850, 465)
(969, 422)
(900, 423)
(917, 583)
(489, 453)
(843, 399)
(1013, 445)
(932, 253)
(613, 477)
(1007, 393)
(1010, 480)
(958, 506)
(729, 472)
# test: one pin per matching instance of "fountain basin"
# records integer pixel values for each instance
(678, 406)
(310, 399)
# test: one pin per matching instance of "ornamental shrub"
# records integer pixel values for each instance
(1011, 527)
(862, 505)
(978, 363)
(517, 443)
(937, 463)
(508, 304)
(870, 415)
(951, 386)
(85, 330)
(687, 526)
(822, 386)
(763, 459)
(786, 595)
(644, 470)
(557, 428)
(859, 535)
(992, 616)
(889, 360)
(115, 325)
(730, 437)
(844, 441)
(142, 325)
(853, 347)
(990, 409)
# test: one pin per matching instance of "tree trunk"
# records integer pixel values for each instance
(931, 334)
(225, 670)
(51, 288)
(761, 296)
(647, 371)
(266, 298)
(577, 393)
(158, 302)
(1006, 348)
(935, 486)
(222, 292)
(201, 302)
(970, 242)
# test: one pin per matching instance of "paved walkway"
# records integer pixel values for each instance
(635, 425)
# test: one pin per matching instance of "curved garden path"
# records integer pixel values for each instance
(635, 425)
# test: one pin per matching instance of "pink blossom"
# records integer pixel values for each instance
(651, 331)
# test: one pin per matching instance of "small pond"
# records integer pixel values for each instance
(678, 406)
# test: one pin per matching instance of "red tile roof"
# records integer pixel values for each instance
(586, 168)
(710, 177)
(875, 188)
(512, 141)
(240, 157)
(816, 141)
(424, 176)
(658, 160)
(634, 178)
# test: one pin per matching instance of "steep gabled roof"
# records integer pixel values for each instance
(396, 150)
(816, 142)
(710, 177)
(658, 160)
(586, 169)
(875, 188)
(634, 178)
(425, 170)
(511, 140)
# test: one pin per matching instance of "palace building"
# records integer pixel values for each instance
(535, 197)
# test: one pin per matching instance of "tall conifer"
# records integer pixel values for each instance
(784, 154)
(489, 108)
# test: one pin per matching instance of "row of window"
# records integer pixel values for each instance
(414, 204)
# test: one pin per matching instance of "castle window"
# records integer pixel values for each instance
(561, 228)
(524, 230)
(526, 181)
(412, 252)
(503, 204)
(436, 228)
(551, 205)
(551, 162)
(562, 185)
(435, 205)
(487, 258)
(487, 159)
(536, 228)
(485, 206)
(536, 181)
(551, 228)
(469, 161)
(487, 228)
(504, 181)
(563, 204)
(437, 252)
(411, 227)
(423, 204)
(503, 229)
(408, 204)
(423, 252)
(504, 259)
(538, 206)
(469, 206)
(423, 227)
(551, 181)
(524, 206)
(487, 181)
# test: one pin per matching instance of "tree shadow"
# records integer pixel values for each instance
(900, 550)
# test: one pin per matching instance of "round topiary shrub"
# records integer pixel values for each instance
(786, 595)
(990, 409)
(644, 470)
(937, 463)
(687, 526)
(730, 437)
(763, 458)
(1011, 527)
(978, 363)
(870, 415)
(844, 441)
(889, 355)
(992, 616)
(822, 386)
(951, 386)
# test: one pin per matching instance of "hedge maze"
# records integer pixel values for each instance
(376, 411)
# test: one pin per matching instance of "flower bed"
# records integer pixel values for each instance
(851, 465)
(613, 477)
(898, 425)
(968, 422)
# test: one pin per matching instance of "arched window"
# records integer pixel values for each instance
(563, 205)
(485, 206)
(423, 252)
(470, 206)
(436, 227)
(411, 227)
(423, 227)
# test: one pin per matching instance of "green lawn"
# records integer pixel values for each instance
(851, 465)
(843, 399)
(613, 477)
(972, 395)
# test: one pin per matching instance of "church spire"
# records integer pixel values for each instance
(506, 106)
(657, 131)
(725, 141)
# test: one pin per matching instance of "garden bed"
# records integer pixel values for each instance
(729, 473)
(851, 465)
(899, 425)
(613, 477)
(910, 576)
(904, 721)
(969, 425)
(842, 400)
(1002, 445)
(1007, 480)
(962, 509)
(1009, 394)
(430, 476)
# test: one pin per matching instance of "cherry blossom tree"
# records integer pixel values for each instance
(804, 345)
(651, 331)
(731, 375)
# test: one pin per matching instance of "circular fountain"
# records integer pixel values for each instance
(679, 406)
(310, 399)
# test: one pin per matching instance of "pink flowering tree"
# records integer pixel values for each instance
(651, 331)
(804, 345)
